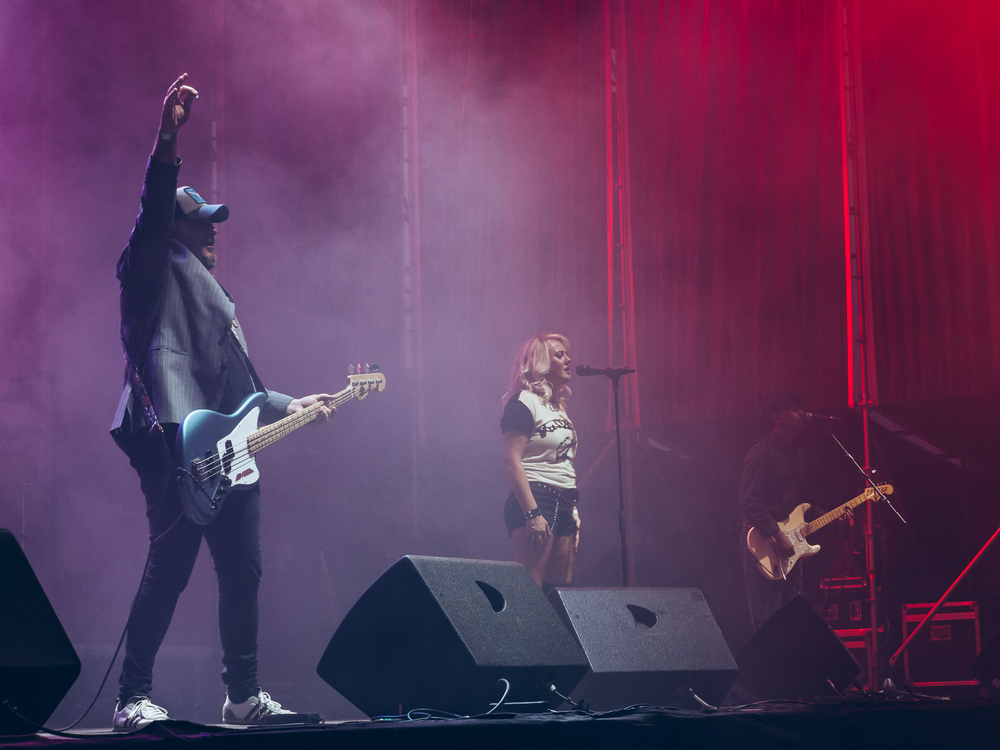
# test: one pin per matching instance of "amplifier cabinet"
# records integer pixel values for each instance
(846, 605)
(943, 652)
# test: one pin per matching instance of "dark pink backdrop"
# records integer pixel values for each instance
(932, 77)
(737, 205)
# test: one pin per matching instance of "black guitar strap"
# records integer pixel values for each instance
(139, 389)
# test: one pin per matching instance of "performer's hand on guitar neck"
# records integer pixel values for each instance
(326, 410)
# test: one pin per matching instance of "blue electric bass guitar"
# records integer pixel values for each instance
(216, 452)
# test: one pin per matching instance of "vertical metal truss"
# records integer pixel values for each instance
(218, 111)
(862, 382)
(413, 355)
(621, 301)
(411, 289)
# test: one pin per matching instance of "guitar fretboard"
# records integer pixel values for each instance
(833, 515)
(260, 439)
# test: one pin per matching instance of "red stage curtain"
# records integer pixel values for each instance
(932, 99)
(737, 207)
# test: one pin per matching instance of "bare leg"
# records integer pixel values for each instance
(535, 560)
(559, 571)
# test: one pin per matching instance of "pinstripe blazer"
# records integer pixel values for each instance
(175, 317)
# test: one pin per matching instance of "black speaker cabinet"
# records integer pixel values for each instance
(986, 667)
(646, 646)
(793, 655)
(437, 632)
(38, 664)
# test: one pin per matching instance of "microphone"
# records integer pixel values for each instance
(611, 372)
(820, 418)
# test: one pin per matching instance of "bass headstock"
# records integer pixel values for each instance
(364, 381)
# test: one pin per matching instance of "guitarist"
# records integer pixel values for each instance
(180, 331)
(773, 482)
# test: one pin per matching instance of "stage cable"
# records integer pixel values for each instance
(64, 731)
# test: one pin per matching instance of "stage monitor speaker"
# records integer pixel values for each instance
(38, 664)
(437, 632)
(794, 654)
(646, 646)
(986, 667)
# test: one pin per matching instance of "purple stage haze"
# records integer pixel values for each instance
(303, 102)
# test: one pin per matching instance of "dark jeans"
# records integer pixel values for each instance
(765, 596)
(234, 541)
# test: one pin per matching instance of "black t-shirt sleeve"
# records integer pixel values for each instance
(517, 416)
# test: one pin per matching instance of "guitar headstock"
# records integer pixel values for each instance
(362, 382)
(870, 494)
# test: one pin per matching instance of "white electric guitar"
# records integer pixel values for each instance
(215, 452)
(795, 529)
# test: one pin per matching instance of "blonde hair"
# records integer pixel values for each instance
(530, 368)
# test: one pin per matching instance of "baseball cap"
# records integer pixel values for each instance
(192, 206)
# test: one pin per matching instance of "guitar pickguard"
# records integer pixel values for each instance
(800, 547)
(239, 465)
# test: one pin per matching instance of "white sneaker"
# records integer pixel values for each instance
(136, 714)
(254, 710)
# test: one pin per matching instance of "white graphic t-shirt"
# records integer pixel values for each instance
(548, 457)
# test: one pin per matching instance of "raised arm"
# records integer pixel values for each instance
(145, 256)
(176, 111)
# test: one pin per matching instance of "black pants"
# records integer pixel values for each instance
(233, 539)
(764, 596)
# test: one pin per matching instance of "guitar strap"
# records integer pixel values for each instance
(155, 428)
(237, 334)
(258, 384)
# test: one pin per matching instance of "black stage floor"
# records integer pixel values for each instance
(848, 724)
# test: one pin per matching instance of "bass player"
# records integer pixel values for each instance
(180, 333)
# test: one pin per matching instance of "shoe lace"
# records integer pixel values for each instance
(267, 704)
(149, 710)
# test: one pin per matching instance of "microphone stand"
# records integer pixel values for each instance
(615, 373)
(875, 655)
